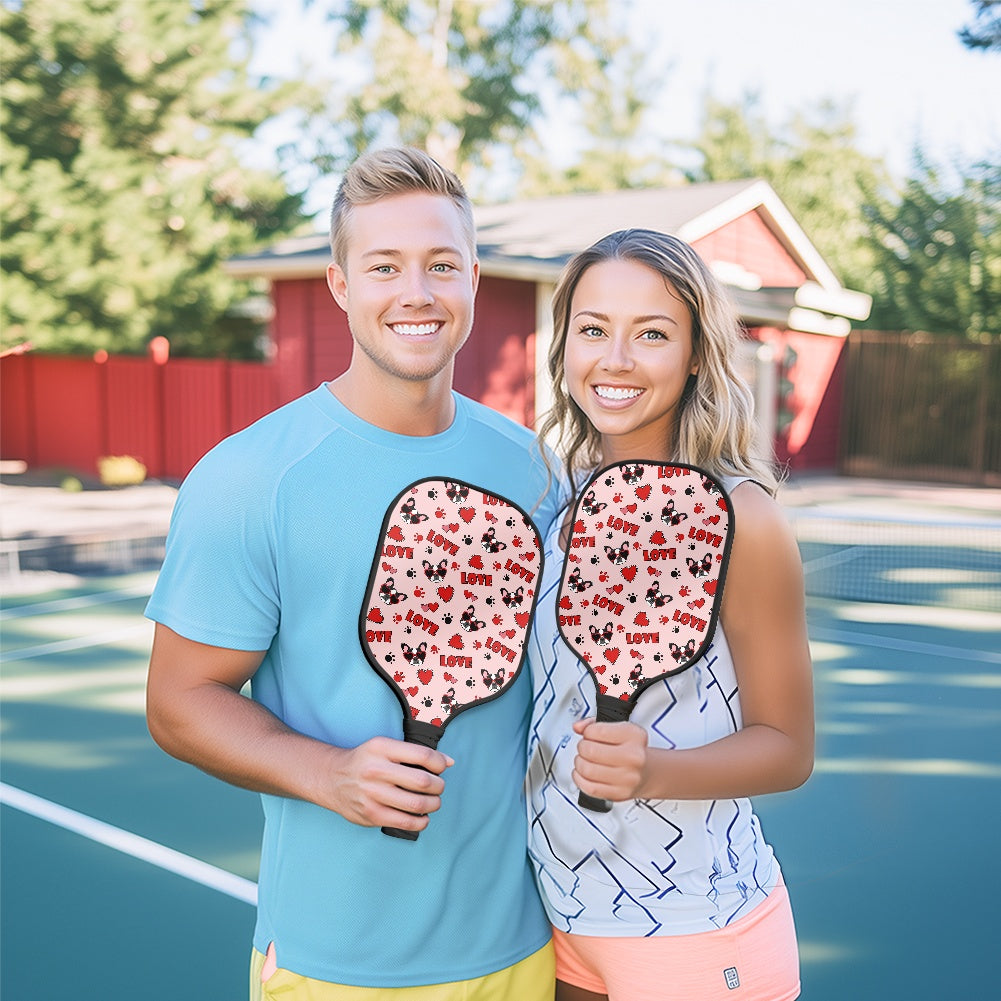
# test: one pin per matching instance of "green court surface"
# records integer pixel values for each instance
(127, 875)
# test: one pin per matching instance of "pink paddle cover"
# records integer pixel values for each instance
(643, 575)
(450, 598)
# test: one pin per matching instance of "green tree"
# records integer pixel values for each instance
(938, 254)
(122, 186)
(814, 165)
(984, 31)
(463, 80)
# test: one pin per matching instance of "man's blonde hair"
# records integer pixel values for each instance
(396, 170)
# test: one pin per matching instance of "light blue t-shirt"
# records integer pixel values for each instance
(270, 548)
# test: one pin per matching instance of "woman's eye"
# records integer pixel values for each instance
(443, 268)
(653, 335)
(592, 331)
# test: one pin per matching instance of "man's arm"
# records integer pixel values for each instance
(196, 712)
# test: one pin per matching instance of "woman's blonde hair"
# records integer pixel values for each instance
(715, 423)
(395, 170)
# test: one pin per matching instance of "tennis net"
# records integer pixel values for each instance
(953, 564)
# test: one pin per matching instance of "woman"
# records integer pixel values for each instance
(674, 893)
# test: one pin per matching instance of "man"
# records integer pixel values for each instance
(265, 574)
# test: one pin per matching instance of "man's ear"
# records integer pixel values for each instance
(337, 282)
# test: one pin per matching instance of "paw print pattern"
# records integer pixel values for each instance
(659, 541)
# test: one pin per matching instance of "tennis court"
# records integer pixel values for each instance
(129, 875)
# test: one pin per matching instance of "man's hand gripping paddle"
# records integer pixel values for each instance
(449, 603)
(642, 579)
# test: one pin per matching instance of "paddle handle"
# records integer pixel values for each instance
(415, 732)
(609, 710)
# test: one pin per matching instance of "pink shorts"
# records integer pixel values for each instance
(754, 959)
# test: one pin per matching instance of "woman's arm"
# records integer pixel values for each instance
(764, 618)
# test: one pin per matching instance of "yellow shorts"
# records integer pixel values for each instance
(533, 979)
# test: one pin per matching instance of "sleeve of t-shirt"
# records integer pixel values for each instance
(218, 582)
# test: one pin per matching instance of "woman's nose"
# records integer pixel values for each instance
(617, 356)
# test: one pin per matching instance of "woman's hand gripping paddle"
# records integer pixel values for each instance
(449, 603)
(642, 579)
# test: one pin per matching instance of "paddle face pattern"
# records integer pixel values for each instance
(643, 578)
(450, 600)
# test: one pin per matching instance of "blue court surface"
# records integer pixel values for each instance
(127, 875)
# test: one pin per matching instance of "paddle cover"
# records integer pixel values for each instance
(449, 602)
(643, 578)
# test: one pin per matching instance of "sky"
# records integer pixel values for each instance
(897, 65)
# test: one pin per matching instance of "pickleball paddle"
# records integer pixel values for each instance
(449, 602)
(642, 579)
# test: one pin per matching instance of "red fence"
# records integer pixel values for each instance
(65, 413)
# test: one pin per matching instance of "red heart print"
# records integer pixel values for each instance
(476, 562)
(413, 691)
(389, 568)
(641, 619)
(508, 634)
(643, 492)
(612, 654)
(467, 514)
(445, 593)
(629, 572)
(721, 504)
(658, 538)
(635, 654)
(424, 676)
(614, 589)
(578, 526)
(709, 587)
(528, 556)
(375, 615)
(395, 534)
(600, 669)
(628, 509)
(565, 603)
(714, 520)
(698, 603)
(452, 526)
(431, 606)
(455, 642)
(521, 618)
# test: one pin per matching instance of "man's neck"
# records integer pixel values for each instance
(419, 409)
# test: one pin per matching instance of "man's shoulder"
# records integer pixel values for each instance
(486, 420)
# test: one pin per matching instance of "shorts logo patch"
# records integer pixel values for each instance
(732, 980)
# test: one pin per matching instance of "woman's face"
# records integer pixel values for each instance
(627, 358)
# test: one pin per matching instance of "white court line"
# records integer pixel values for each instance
(131, 844)
(78, 643)
(68, 604)
(907, 646)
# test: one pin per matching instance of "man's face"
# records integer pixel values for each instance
(407, 287)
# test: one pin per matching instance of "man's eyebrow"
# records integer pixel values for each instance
(392, 252)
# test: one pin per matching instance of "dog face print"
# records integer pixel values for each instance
(670, 516)
(656, 598)
(389, 594)
(618, 556)
(601, 636)
(414, 657)
(489, 541)
(493, 681)
(469, 622)
(590, 504)
(577, 583)
(410, 514)
(513, 599)
(435, 574)
(700, 568)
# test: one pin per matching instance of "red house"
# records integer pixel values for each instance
(796, 311)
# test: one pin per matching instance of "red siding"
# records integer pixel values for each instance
(749, 242)
(66, 413)
(497, 364)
